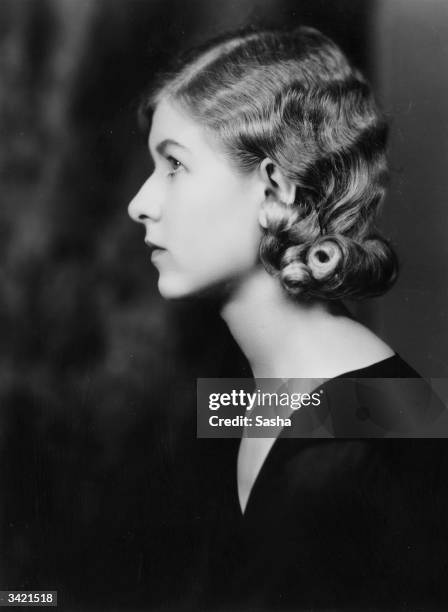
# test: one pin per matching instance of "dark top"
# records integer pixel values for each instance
(357, 523)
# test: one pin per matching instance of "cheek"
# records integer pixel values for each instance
(217, 229)
(213, 231)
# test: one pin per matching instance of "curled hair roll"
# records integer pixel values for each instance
(336, 267)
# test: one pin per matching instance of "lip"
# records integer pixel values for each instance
(156, 253)
(156, 249)
(154, 246)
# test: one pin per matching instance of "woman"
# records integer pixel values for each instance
(269, 168)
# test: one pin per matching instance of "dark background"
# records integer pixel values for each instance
(102, 494)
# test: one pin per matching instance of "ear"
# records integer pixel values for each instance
(277, 186)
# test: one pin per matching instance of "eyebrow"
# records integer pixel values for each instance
(162, 146)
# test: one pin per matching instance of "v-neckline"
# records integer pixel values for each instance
(273, 453)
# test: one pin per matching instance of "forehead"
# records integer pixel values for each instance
(171, 122)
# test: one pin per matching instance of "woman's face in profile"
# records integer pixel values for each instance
(199, 212)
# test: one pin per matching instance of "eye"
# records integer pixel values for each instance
(175, 165)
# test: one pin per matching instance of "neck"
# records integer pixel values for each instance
(281, 338)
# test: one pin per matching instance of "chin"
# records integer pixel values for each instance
(169, 292)
(171, 289)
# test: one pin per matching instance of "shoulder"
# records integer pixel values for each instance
(386, 399)
(349, 345)
(392, 366)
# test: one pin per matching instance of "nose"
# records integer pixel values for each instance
(145, 205)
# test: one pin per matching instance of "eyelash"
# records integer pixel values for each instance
(175, 163)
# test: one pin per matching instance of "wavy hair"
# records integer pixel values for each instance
(293, 97)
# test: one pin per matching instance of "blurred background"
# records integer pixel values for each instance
(102, 478)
